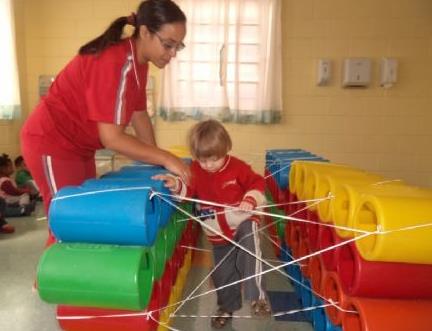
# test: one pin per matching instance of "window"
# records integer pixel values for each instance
(231, 66)
(10, 104)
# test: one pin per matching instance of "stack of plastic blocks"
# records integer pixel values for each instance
(121, 256)
(374, 267)
(277, 169)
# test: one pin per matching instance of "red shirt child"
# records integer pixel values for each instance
(220, 178)
(222, 182)
(233, 184)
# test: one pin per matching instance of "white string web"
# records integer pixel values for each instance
(271, 267)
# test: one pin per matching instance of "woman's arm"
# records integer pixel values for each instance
(113, 137)
(143, 127)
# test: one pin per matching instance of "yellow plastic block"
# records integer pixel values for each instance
(331, 183)
(165, 319)
(314, 176)
(320, 182)
(176, 293)
(389, 213)
(187, 261)
(301, 171)
(179, 150)
(347, 199)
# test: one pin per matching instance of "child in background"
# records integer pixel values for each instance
(4, 226)
(23, 177)
(17, 199)
(221, 178)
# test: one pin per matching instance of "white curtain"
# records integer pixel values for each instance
(10, 103)
(231, 66)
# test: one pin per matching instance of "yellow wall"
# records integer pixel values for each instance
(381, 130)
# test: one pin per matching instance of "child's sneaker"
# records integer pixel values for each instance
(260, 308)
(7, 228)
(221, 319)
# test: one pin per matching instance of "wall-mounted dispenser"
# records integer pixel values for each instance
(323, 72)
(44, 84)
(356, 72)
(388, 72)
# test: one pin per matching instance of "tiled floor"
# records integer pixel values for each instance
(20, 307)
(22, 310)
(206, 305)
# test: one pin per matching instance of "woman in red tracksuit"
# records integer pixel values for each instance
(99, 92)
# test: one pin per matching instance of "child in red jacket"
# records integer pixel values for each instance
(221, 178)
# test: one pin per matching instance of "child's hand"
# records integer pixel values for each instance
(246, 206)
(170, 181)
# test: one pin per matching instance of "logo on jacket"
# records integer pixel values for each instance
(230, 182)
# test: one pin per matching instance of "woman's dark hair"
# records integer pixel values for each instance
(151, 13)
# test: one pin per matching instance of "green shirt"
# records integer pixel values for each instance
(22, 176)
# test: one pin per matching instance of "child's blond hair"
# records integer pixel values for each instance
(209, 138)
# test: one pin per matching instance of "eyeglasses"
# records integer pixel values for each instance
(170, 45)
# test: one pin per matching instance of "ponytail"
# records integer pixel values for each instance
(111, 36)
(151, 13)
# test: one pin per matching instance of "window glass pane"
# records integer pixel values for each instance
(204, 71)
(247, 11)
(245, 72)
(183, 95)
(245, 34)
(247, 104)
(198, 71)
(199, 92)
(200, 52)
(206, 33)
(246, 53)
(183, 71)
(246, 96)
(250, 12)
(247, 90)
(248, 72)
(207, 12)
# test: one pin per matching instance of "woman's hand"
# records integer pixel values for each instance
(179, 168)
(113, 137)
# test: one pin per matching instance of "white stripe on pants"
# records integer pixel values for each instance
(239, 264)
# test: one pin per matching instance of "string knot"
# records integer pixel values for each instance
(152, 194)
